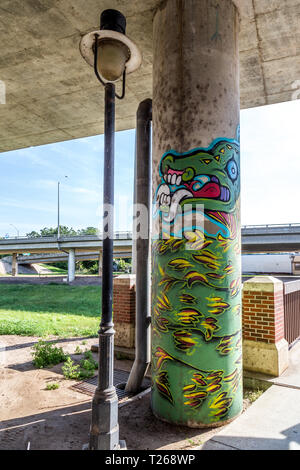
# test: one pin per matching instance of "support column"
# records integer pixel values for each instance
(196, 301)
(71, 265)
(14, 265)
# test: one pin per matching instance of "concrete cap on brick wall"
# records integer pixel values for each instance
(263, 284)
(125, 279)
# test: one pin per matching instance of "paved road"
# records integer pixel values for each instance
(79, 281)
(93, 280)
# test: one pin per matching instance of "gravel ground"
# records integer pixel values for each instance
(60, 419)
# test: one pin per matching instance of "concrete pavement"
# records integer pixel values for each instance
(273, 421)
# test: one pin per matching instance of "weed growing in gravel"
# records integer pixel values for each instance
(52, 386)
(47, 354)
(70, 369)
(85, 369)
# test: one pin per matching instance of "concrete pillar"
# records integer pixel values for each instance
(100, 264)
(264, 348)
(14, 265)
(196, 301)
(71, 265)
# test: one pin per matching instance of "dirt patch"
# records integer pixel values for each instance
(60, 419)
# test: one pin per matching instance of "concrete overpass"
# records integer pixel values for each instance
(50, 249)
(86, 243)
(255, 239)
(57, 257)
(52, 96)
(271, 238)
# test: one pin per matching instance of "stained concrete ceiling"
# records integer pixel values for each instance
(52, 95)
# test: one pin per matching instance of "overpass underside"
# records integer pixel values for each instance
(52, 96)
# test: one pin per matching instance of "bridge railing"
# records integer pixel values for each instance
(271, 226)
(120, 235)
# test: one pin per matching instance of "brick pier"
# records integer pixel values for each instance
(265, 349)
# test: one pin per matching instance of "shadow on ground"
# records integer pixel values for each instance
(64, 428)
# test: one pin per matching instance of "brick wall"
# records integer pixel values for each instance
(265, 349)
(124, 310)
(263, 315)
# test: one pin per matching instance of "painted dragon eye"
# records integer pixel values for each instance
(232, 170)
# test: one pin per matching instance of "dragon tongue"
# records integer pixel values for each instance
(210, 190)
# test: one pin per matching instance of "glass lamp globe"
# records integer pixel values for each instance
(112, 58)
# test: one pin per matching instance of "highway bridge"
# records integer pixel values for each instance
(72, 248)
(255, 239)
(271, 238)
(80, 243)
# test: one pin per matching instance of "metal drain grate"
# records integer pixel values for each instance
(88, 386)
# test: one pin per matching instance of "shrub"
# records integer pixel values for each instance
(47, 354)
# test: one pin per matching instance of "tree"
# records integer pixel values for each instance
(51, 232)
(33, 234)
(88, 231)
(64, 231)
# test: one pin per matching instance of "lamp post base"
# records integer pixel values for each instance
(104, 433)
(122, 446)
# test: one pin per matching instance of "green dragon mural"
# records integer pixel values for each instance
(196, 283)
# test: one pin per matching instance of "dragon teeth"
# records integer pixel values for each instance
(173, 179)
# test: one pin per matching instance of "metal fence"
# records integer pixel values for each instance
(292, 311)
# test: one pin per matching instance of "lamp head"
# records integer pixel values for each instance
(113, 20)
(110, 49)
(112, 54)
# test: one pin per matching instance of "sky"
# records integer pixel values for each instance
(270, 174)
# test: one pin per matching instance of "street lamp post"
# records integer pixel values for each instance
(58, 209)
(18, 233)
(58, 222)
(113, 55)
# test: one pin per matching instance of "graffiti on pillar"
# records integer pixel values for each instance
(196, 301)
(217, 36)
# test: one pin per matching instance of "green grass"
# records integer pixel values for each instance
(54, 269)
(42, 310)
(252, 395)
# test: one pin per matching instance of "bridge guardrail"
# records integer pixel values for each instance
(117, 236)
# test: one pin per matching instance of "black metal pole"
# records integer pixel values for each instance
(108, 201)
(104, 434)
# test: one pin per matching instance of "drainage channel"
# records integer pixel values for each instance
(88, 386)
